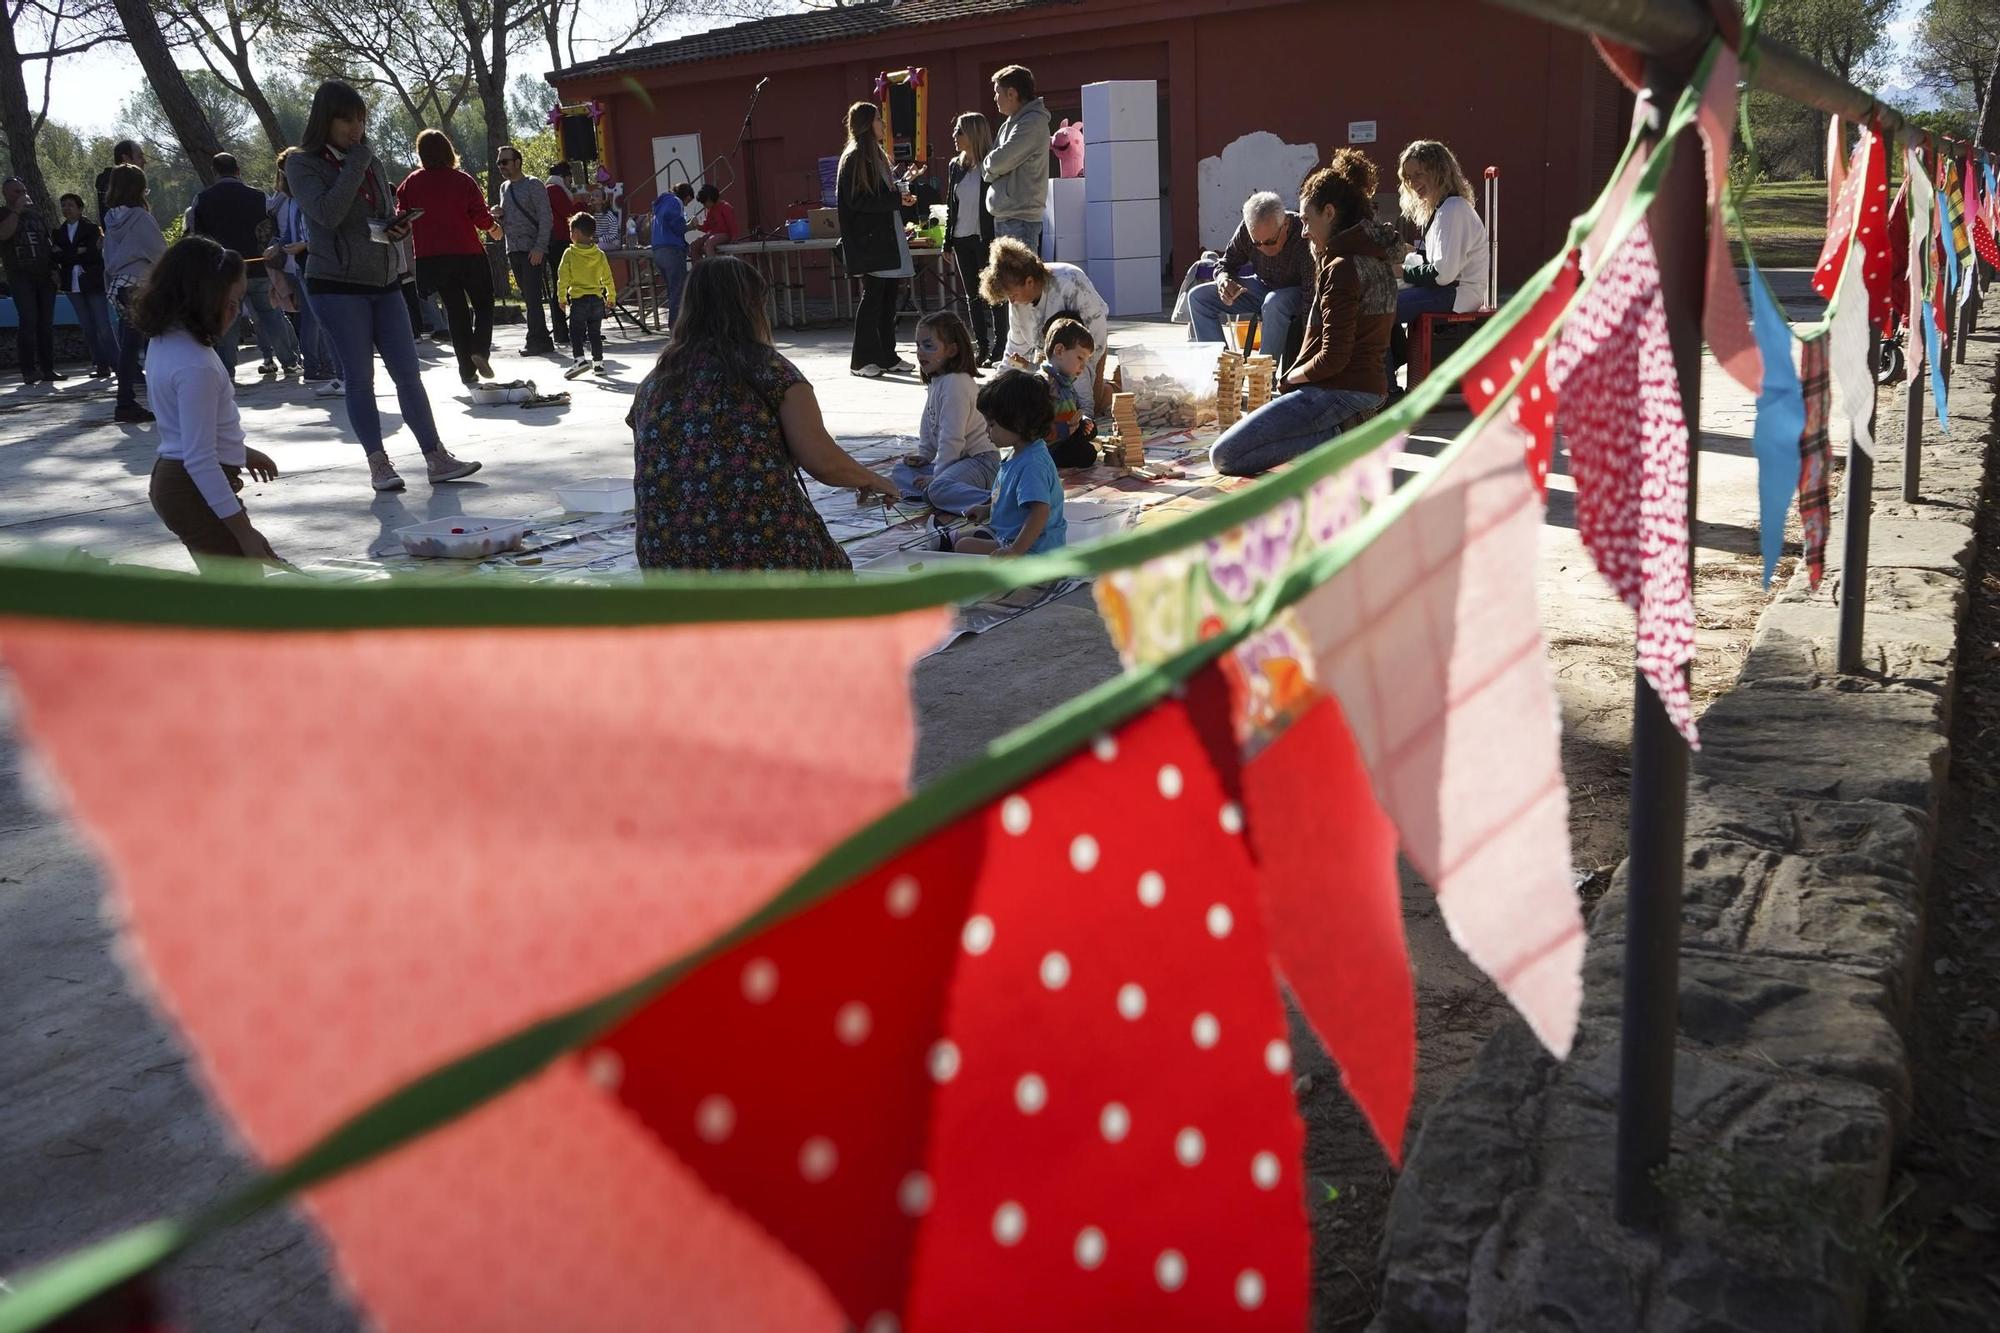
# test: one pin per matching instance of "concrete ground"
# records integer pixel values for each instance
(102, 1124)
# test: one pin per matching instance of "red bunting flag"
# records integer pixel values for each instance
(1871, 233)
(1533, 407)
(1843, 210)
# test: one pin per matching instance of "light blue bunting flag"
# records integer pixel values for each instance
(1781, 417)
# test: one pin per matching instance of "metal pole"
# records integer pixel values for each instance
(1678, 221)
(1913, 421)
(1854, 538)
(1968, 313)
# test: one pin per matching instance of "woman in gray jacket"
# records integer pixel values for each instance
(353, 281)
(132, 241)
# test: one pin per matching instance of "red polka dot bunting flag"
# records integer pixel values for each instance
(1844, 210)
(1982, 241)
(1031, 1073)
(1533, 409)
(1871, 233)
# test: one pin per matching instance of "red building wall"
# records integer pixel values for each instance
(1500, 88)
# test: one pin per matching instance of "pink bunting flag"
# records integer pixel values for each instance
(1725, 317)
(1619, 405)
(359, 855)
(1431, 639)
(1836, 172)
(1844, 208)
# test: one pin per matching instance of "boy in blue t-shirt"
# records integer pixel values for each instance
(1026, 516)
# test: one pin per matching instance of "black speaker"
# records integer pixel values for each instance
(579, 138)
(903, 120)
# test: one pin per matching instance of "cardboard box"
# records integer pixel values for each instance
(1118, 110)
(1063, 213)
(1121, 171)
(1072, 250)
(1128, 286)
(1125, 228)
(824, 222)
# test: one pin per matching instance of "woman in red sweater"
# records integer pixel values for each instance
(451, 257)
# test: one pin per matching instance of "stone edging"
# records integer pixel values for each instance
(1811, 816)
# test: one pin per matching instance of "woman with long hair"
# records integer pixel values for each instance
(132, 242)
(1337, 379)
(1447, 272)
(968, 227)
(321, 367)
(872, 246)
(451, 256)
(720, 430)
(353, 281)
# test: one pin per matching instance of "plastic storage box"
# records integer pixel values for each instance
(464, 538)
(599, 495)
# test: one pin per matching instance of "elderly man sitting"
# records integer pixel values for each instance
(1273, 243)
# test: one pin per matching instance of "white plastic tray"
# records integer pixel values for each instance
(463, 538)
(599, 495)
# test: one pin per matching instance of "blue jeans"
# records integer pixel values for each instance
(1411, 302)
(1275, 309)
(131, 347)
(672, 262)
(93, 316)
(1286, 427)
(274, 331)
(1028, 231)
(954, 488)
(360, 326)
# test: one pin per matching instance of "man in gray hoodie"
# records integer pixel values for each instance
(527, 219)
(1017, 170)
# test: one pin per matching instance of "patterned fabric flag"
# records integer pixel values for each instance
(1781, 416)
(1847, 347)
(1871, 234)
(1431, 640)
(1897, 238)
(1948, 225)
(1031, 1073)
(1961, 238)
(1725, 319)
(1620, 408)
(363, 854)
(1923, 333)
(1815, 456)
(1836, 171)
(1978, 206)
(1843, 210)
(1533, 407)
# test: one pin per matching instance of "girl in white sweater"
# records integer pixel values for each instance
(956, 462)
(189, 299)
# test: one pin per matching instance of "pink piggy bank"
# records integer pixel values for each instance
(1067, 144)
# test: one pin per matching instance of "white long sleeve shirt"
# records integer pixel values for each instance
(952, 427)
(1066, 289)
(193, 396)
(1455, 244)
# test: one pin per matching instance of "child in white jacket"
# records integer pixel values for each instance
(956, 462)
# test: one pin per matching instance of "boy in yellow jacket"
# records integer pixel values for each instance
(583, 290)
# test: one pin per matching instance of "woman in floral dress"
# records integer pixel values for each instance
(721, 430)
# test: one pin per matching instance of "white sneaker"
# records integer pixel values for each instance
(578, 367)
(330, 389)
(597, 367)
(382, 473)
(867, 372)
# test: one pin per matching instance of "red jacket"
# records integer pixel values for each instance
(455, 212)
(719, 220)
(562, 207)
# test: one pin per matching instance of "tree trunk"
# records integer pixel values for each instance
(489, 79)
(184, 113)
(1987, 133)
(20, 124)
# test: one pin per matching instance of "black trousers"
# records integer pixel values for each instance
(463, 285)
(551, 261)
(988, 322)
(35, 305)
(586, 324)
(534, 281)
(875, 322)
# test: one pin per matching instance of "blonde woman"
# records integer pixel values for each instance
(872, 246)
(1035, 293)
(1448, 273)
(969, 225)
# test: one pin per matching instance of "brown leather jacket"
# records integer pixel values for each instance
(1354, 306)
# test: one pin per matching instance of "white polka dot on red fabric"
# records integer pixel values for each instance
(914, 1194)
(604, 1069)
(1277, 1055)
(1114, 1122)
(1231, 816)
(1090, 1249)
(1221, 921)
(1015, 815)
(1010, 1223)
(1170, 781)
(902, 897)
(1083, 853)
(1264, 1170)
(883, 1322)
(977, 935)
(1487, 386)
(1152, 889)
(1170, 1270)
(714, 1118)
(942, 1062)
(1031, 1094)
(817, 1159)
(1105, 748)
(1249, 1289)
(1189, 1147)
(1055, 970)
(1206, 1031)
(1131, 1001)
(760, 980)
(853, 1023)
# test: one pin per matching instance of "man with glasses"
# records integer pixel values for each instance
(526, 219)
(1272, 243)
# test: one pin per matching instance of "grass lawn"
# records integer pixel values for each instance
(1786, 221)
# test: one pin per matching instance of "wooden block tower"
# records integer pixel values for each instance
(1228, 389)
(1262, 373)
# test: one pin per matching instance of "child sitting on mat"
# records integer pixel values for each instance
(956, 463)
(1026, 515)
(1066, 352)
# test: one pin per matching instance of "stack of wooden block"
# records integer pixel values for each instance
(1127, 449)
(1262, 373)
(1228, 389)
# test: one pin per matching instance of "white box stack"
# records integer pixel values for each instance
(1063, 231)
(1121, 176)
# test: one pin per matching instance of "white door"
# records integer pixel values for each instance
(676, 158)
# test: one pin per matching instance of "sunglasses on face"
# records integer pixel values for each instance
(1271, 244)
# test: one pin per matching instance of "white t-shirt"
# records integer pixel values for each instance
(1455, 243)
(969, 187)
(195, 399)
